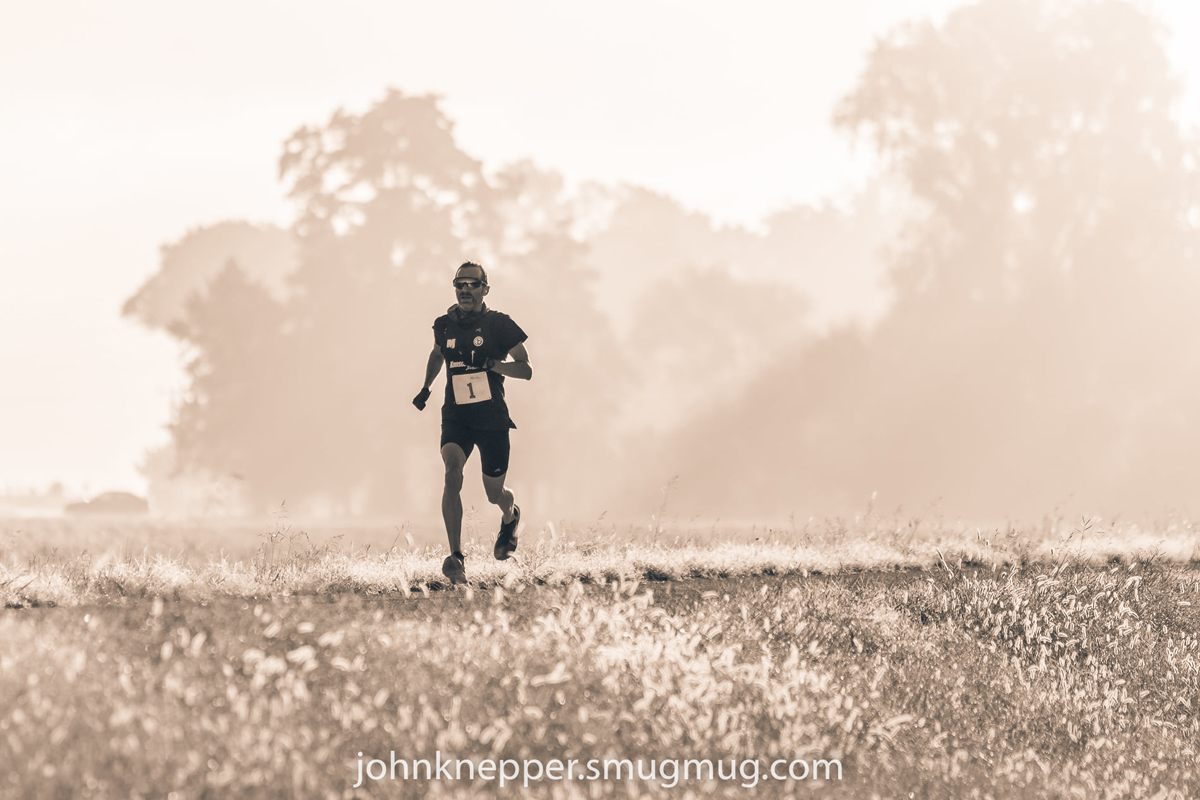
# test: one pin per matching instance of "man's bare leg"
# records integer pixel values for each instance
(499, 495)
(452, 511)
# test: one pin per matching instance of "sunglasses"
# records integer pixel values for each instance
(467, 284)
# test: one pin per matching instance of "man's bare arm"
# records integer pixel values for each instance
(517, 367)
(434, 366)
(431, 371)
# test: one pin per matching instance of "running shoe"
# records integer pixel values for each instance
(506, 542)
(454, 568)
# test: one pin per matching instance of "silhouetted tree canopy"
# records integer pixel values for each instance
(1040, 138)
(304, 393)
(563, 448)
(265, 252)
(234, 419)
(1038, 349)
(829, 254)
(1041, 348)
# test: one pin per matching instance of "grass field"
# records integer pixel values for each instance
(920, 660)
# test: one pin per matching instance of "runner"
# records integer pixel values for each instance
(480, 347)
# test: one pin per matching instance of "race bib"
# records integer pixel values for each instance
(472, 387)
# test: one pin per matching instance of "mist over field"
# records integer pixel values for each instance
(1002, 322)
(997, 323)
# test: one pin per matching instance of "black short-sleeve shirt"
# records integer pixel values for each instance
(466, 348)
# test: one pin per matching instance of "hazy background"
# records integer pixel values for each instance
(989, 300)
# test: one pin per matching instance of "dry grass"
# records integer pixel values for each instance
(284, 559)
(993, 674)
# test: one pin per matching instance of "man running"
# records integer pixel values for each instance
(480, 347)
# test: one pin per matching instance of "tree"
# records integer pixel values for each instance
(649, 236)
(296, 388)
(1024, 126)
(264, 256)
(305, 395)
(266, 253)
(565, 449)
(386, 201)
(1038, 349)
(236, 420)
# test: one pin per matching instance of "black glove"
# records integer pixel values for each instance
(419, 400)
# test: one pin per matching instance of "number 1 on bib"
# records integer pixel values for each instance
(471, 388)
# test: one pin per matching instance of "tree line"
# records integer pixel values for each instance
(1014, 333)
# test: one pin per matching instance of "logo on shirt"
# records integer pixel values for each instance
(449, 344)
(479, 341)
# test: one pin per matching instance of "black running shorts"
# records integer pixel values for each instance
(493, 445)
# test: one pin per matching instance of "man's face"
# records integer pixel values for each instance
(469, 289)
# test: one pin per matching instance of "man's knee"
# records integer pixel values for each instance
(455, 460)
(494, 487)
